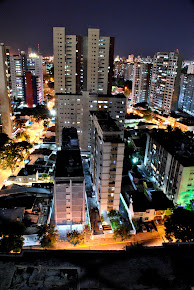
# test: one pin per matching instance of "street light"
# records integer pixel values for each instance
(135, 160)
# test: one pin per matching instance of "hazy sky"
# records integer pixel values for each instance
(139, 26)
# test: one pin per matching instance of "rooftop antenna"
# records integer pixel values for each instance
(38, 49)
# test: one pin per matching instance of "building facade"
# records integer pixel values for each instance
(141, 82)
(186, 97)
(74, 111)
(107, 152)
(164, 90)
(82, 63)
(69, 183)
(6, 125)
(170, 160)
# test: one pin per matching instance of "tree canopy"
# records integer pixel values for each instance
(47, 235)
(75, 237)
(12, 153)
(180, 225)
(11, 234)
(4, 139)
(122, 232)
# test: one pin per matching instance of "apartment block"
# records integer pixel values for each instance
(107, 151)
(169, 157)
(69, 184)
(82, 62)
(164, 90)
(74, 111)
(141, 82)
(6, 125)
(186, 97)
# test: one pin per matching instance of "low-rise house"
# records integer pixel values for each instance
(147, 207)
(27, 175)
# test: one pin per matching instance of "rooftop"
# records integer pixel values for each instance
(28, 170)
(70, 139)
(106, 123)
(10, 215)
(69, 164)
(157, 201)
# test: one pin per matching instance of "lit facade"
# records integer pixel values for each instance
(107, 152)
(141, 82)
(186, 97)
(82, 63)
(170, 160)
(164, 90)
(69, 183)
(74, 111)
(6, 125)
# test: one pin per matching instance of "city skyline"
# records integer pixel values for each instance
(138, 29)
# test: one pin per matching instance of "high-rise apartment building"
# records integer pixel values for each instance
(73, 110)
(164, 90)
(19, 66)
(169, 157)
(34, 65)
(69, 184)
(186, 97)
(141, 82)
(107, 151)
(82, 63)
(5, 105)
(17, 70)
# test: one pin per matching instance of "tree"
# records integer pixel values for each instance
(148, 117)
(41, 112)
(122, 232)
(180, 225)
(190, 205)
(75, 237)
(23, 136)
(4, 139)
(47, 235)
(12, 239)
(113, 213)
(14, 152)
(11, 243)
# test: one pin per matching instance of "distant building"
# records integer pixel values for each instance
(107, 151)
(82, 62)
(186, 97)
(169, 157)
(27, 89)
(34, 65)
(190, 69)
(17, 70)
(69, 183)
(141, 82)
(5, 102)
(164, 89)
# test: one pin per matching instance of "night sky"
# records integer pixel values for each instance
(139, 26)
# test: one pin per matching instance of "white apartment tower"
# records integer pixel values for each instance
(141, 82)
(82, 63)
(165, 80)
(107, 151)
